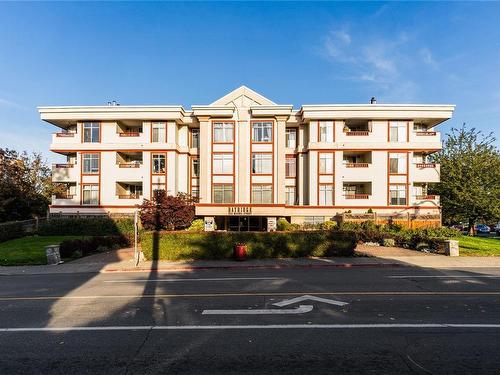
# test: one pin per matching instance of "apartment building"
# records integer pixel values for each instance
(248, 159)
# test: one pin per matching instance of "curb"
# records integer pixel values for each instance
(305, 266)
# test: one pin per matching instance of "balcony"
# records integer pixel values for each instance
(425, 172)
(357, 190)
(426, 200)
(130, 191)
(65, 172)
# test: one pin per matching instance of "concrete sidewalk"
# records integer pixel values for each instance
(121, 261)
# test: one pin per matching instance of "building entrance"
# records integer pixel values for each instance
(241, 223)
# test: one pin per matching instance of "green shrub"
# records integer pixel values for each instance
(11, 230)
(349, 225)
(284, 226)
(219, 245)
(96, 226)
(87, 246)
(198, 225)
(388, 242)
(328, 225)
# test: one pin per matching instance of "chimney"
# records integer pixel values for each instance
(114, 103)
(373, 100)
(109, 104)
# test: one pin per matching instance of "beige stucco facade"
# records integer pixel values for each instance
(254, 158)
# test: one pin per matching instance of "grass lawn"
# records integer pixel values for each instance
(479, 246)
(28, 250)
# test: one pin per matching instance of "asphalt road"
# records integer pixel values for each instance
(396, 320)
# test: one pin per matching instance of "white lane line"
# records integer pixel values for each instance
(443, 277)
(181, 280)
(309, 298)
(236, 327)
(298, 310)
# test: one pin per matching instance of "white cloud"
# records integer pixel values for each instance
(387, 64)
(427, 58)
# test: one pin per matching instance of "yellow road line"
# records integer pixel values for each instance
(360, 293)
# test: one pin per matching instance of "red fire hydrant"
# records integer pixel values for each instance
(240, 251)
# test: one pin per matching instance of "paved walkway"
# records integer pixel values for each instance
(369, 256)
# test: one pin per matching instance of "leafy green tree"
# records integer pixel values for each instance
(25, 185)
(470, 177)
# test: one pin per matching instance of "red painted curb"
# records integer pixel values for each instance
(305, 266)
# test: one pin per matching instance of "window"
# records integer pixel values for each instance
(326, 131)
(223, 193)
(195, 168)
(223, 132)
(397, 195)
(223, 163)
(90, 163)
(291, 137)
(326, 163)
(262, 163)
(326, 195)
(290, 195)
(159, 132)
(91, 132)
(397, 131)
(158, 163)
(195, 191)
(90, 194)
(262, 131)
(262, 194)
(290, 167)
(397, 163)
(195, 138)
(314, 220)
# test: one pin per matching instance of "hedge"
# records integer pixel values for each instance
(11, 230)
(87, 246)
(96, 226)
(219, 245)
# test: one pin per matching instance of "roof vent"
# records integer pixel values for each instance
(373, 100)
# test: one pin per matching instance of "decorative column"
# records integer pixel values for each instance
(205, 159)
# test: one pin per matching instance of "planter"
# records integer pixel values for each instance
(240, 252)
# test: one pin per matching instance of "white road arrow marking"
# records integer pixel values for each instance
(308, 297)
(299, 310)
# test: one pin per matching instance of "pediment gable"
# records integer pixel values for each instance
(242, 97)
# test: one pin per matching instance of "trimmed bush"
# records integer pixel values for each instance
(92, 245)
(219, 245)
(11, 230)
(388, 242)
(197, 225)
(284, 226)
(96, 226)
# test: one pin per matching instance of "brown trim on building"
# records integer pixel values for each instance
(273, 140)
(212, 143)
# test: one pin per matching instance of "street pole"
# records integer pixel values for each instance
(136, 249)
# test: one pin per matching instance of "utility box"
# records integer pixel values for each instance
(53, 255)
(451, 248)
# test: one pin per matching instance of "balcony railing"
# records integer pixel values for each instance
(64, 196)
(357, 133)
(129, 196)
(130, 134)
(425, 133)
(426, 165)
(357, 196)
(426, 197)
(356, 165)
(129, 165)
(66, 165)
(65, 134)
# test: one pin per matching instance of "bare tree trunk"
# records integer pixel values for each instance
(471, 229)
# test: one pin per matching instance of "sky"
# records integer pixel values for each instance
(291, 52)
